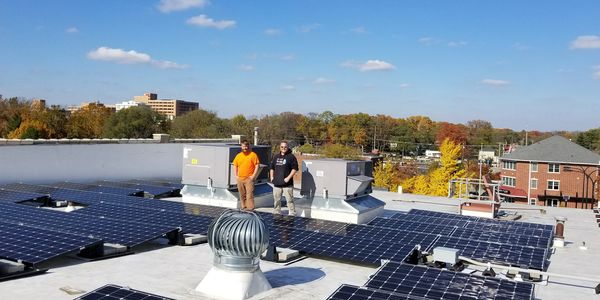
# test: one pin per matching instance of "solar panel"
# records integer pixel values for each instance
(439, 214)
(386, 234)
(510, 228)
(432, 283)
(350, 292)
(98, 188)
(15, 196)
(122, 232)
(150, 189)
(188, 222)
(502, 238)
(35, 245)
(432, 228)
(112, 291)
(117, 212)
(351, 249)
(432, 220)
(176, 185)
(514, 255)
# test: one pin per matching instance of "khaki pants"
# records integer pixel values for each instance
(246, 189)
(288, 192)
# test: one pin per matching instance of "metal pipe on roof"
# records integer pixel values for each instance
(530, 271)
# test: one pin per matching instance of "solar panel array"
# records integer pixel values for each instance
(112, 216)
(112, 292)
(505, 242)
(432, 283)
(33, 245)
(154, 190)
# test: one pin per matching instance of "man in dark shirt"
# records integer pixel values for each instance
(283, 167)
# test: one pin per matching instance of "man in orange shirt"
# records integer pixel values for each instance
(246, 165)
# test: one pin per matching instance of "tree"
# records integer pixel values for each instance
(448, 169)
(88, 122)
(386, 175)
(589, 139)
(135, 122)
(480, 132)
(457, 133)
(199, 124)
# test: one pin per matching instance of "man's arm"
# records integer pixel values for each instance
(294, 163)
(292, 173)
(271, 174)
(256, 166)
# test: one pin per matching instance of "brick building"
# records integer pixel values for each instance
(552, 172)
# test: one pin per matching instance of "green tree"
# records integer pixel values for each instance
(199, 124)
(135, 122)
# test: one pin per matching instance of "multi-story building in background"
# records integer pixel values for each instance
(169, 107)
(74, 108)
(552, 172)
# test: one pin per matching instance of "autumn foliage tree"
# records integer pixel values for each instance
(435, 183)
(88, 121)
(386, 175)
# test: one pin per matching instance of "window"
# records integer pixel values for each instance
(534, 167)
(553, 168)
(554, 185)
(509, 165)
(534, 183)
(509, 181)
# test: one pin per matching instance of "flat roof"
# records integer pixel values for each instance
(175, 271)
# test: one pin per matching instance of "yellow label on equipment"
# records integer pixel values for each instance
(194, 161)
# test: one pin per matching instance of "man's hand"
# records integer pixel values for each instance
(286, 180)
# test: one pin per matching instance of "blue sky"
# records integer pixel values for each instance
(518, 64)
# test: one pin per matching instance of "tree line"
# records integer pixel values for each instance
(22, 118)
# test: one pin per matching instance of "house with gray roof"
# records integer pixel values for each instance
(552, 172)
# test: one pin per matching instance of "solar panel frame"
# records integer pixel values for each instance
(113, 291)
(98, 188)
(150, 189)
(432, 283)
(35, 245)
(17, 196)
(513, 255)
(351, 292)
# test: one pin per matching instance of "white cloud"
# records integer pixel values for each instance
(273, 31)
(405, 85)
(586, 42)
(308, 27)
(376, 65)
(205, 21)
(168, 6)
(322, 80)
(359, 30)
(121, 56)
(72, 30)
(457, 44)
(165, 64)
(287, 57)
(369, 65)
(247, 68)
(495, 82)
(428, 41)
(288, 87)
(596, 74)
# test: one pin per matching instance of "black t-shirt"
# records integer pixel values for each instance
(282, 166)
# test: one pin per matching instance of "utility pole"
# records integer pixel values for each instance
(525, 137)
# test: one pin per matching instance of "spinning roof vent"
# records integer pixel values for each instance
(237, 239)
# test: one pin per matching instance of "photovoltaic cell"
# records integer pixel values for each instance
(432, 283)
(386, 234)
(412, 226)
(350, 292)
(150, 189)
(114, 292)
(515, 255)
(352, 249)
(98, 188)
(15, 196)
(35, 245)
(458, 222)
(189, 223)
(502, 238)
(122, 232)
